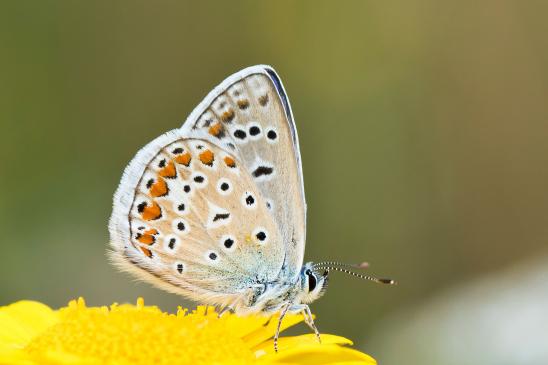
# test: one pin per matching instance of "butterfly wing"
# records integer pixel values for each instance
(249, 115)
(189, 217)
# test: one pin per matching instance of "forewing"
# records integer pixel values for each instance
(189, 217)
(249, 114)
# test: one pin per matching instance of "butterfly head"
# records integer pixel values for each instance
(313, 283)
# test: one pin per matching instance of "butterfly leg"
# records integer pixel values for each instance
(224, 310)
(277, 335)
(309, 320)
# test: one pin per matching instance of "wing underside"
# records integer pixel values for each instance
(249, 114)
(212, 208)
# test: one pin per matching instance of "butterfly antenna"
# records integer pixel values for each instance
(361, 276)
(362, 265)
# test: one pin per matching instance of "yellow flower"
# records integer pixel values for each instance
(32, 333)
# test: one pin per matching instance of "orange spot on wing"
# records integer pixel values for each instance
(229, 161)
(146, 251)
(207, 157)
(159, 188)
(152, 231)
(184, 159)
(228, 116)
(263, 100)
(151, 212)
(216, 129)
(147, 237)
(243, 104)
(168, 171)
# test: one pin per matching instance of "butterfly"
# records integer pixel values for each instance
(215, 210)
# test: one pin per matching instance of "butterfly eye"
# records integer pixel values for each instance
(248, 200)
(312, 282)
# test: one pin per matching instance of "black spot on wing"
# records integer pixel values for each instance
(171, 243)
(271, 134)
(254, 130)
(240, 134)
(262, 171)
(228, 242)
(141, 207)
(220, 216)
(261, 236)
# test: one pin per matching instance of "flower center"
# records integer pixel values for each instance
(140, 335)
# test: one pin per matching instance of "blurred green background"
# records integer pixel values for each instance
(443, 106)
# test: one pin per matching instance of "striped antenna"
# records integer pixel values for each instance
(361, 276)
(362, 265)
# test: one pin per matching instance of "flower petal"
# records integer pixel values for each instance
(266, 331)
(318, 354)
(285, 343)
(21, 321)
